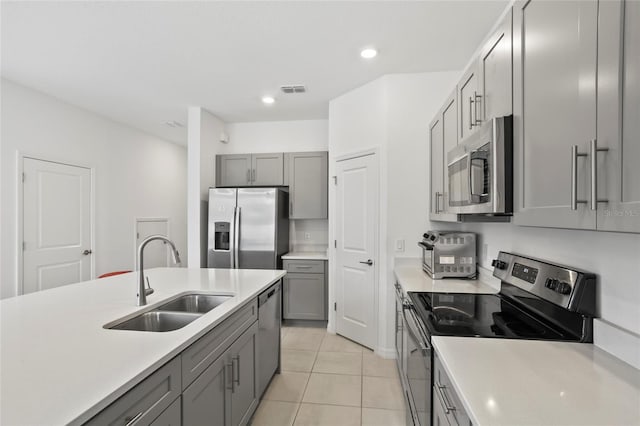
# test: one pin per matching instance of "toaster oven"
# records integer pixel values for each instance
(447, 254)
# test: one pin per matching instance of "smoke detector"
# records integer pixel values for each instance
(293, 88)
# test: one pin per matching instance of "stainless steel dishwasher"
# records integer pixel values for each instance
(269, 314)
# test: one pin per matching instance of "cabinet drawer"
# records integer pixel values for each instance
(197, 357)
(445, 394)
(146, 401)
(304, 266)
(172, 416)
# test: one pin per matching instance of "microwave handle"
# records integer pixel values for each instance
(474, 155)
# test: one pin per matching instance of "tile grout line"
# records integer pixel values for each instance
(306, 385)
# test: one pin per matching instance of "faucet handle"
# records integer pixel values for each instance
(148, 290)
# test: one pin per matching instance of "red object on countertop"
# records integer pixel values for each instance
(110, 274)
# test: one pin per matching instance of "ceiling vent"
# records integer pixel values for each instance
(294, 88)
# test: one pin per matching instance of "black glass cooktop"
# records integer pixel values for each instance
(482, 315)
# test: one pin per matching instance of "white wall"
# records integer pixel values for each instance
(203, 135)
(284, 136)
(136, 174)
(276, 136)
(392, 115)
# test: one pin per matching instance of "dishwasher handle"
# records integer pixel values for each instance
(268, 294)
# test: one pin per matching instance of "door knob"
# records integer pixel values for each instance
(368, 262)
(87, 252)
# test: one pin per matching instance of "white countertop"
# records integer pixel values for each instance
(412, 278)
(528, 382)
(303, 255)
(59, 365)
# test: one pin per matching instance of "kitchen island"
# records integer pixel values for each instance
(60, 366)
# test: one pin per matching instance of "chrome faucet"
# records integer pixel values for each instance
(142, 291)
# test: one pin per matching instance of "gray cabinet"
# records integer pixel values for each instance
(226, 392)
(249, 170)
(172, 416)
(448, 408)
(146, 401)
(618, 128)
(443, 136)
(307, 177)
(304, 291)
(233, 170)
(554, 111)
(496, 73)
(469, 102)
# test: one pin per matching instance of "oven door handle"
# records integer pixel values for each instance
(412, 325)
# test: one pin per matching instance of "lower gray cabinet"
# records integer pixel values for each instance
(304, 292)
(147, 401)
(172, 416)
(226, 392)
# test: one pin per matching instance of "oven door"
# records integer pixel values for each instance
(417, 369)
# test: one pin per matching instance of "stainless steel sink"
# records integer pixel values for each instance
(172, 315)
(197, 303)
(157, 321)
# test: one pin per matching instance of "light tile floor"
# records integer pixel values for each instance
(327, 380)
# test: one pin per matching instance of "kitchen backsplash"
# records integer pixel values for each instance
(308, 235)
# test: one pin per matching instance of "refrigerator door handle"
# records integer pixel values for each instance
(232, 241)
(236, 237)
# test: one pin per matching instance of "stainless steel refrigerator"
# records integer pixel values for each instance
(248, 227)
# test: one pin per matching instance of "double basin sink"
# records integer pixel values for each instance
(172, 315)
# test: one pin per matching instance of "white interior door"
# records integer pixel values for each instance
(57, 245)
(155, 253)
(356, 251)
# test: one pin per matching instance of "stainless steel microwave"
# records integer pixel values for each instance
(480, 170)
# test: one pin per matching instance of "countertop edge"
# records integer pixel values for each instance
(127, 386)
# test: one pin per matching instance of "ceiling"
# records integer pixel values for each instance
(143, 63)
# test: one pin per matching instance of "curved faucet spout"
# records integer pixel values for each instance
(143, 292)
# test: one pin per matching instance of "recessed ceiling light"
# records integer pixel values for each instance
(368, 53)
(268, 100)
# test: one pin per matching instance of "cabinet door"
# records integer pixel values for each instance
(450, 141)
(618, 174)
(437, 165)
(554, 110)
(308, 181)
(469, 102)
(267, 169)
(233, 170)
(244, 392)
(496, 73)
(205, 401)
(304, 296)
(172, 416)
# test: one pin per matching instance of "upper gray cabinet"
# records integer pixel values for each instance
(554, 111)
(618, 173)
(469, 102)
(307, 177)
(443, 136)
(249, 170)
(576, 109)
(496, 73)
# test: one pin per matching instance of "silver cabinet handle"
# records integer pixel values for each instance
(594, 174)
(248, 175)
(132, 420)
(303, 266)
(445, 401)
(235, 367)
(367, 262)
(253, 175)
(477, 99)
(574, 177)
(471, 121)
(87, 252)
(229, 373)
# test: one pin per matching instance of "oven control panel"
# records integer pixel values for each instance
(570, 288)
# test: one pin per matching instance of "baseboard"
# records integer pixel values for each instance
(387, 353)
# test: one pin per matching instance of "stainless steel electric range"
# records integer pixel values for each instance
(537, 300)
